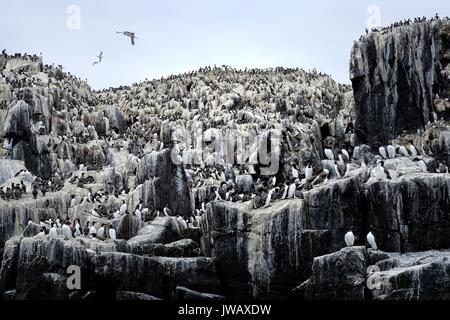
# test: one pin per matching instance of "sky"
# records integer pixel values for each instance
(175, 36)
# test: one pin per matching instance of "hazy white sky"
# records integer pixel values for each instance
(177, 35)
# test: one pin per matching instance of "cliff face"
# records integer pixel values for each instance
(396, 77)
(99, 150)
(263, 253)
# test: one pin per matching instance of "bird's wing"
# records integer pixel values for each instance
(132, 41)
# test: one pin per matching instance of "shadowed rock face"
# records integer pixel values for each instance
(170, 189)
(30, 264)
(360, 274)
(261, 253)
(395, 77)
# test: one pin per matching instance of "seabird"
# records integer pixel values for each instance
(383, 153)
(291, 191)
(123, 208)
(52, 233)
(101, 232)
(423, 166)
(138, 214)
(346, 155)
(285, 192)
(403, 151)
(100, 57)
(167, 212)
(329, 154)
(269, 196)
(371, 240)
(112, 233)
(391, 151)
(349, 239)
(67, 232)
(413, 150)
(381, 173)
(308, 172)
(92, 231)
(132, 35)
(294, 172)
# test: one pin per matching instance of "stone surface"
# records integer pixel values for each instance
(395, 77)
(360, 274)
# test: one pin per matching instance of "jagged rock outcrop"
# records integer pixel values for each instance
(360, 274)
(157, 276)
(169, 181)
(260, 253)
(400, 78)
(31, 264)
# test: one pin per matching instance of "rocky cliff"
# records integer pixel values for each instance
(231, 184)
(401, 79)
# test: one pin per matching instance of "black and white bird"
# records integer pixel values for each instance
(371, 240)
(412, 150)
(403, 151)
(112, 233)
(422, 165)
(123, 208)
(269, 196)
(346, 155)
(285, 192)
(167, 212)
(294, 172)
(291, 191)
(308, 172)
(381, 173)
(67, 232)
(349, 239)
(52, 233)
(129, 34)
(383, 153)
(329, 154)
(391, 151)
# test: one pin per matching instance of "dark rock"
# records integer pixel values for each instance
(190, 295)
(31, 230)
(337, 276)
(127, 295)
(395, 76)
(9, 295)
(160, 230)
(49, 286)
(157, 276)
(128, 226)
(8, 271)
(171, 189)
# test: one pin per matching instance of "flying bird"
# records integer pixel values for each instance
(132, 35)
(100, 57)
